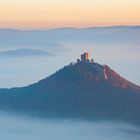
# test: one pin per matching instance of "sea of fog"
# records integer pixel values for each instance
(13, 127)
(118, 47)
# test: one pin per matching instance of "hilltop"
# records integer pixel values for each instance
(85, 90)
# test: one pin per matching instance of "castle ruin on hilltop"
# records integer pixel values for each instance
(85, 58)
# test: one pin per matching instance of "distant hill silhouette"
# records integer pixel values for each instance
(23, 53)
(81, 90)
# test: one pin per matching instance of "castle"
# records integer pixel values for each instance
(85, 58)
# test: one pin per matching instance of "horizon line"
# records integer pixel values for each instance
(64, 27)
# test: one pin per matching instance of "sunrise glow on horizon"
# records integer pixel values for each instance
(64, 13)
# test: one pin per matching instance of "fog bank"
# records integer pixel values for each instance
(14, 128)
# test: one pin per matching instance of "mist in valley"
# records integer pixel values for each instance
(17, 127)
(117, 47)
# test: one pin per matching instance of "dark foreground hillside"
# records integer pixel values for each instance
(82, 90)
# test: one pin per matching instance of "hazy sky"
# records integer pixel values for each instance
(76, 13)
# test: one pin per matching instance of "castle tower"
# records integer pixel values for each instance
(84, 57)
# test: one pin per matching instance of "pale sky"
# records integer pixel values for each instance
(68, 13)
